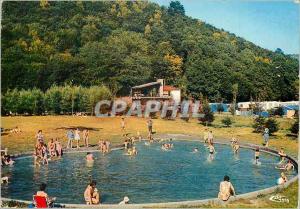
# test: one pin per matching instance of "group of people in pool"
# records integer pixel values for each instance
(44, 153)
(92, 194)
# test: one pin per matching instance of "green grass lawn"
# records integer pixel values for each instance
(110, 129)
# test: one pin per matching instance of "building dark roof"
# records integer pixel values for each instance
(146, 85)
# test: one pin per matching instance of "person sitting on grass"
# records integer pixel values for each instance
(42, 193)
(16, 130)
(226, 189)
(89, 193)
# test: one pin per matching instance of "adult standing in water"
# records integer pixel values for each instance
(150, 124)
(226, 189)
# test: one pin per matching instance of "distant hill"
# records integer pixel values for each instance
(296, 56)
(122, 44)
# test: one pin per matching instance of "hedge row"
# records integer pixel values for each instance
(56, 100)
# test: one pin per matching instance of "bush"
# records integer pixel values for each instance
(10, 102)
(259, 124)
(208, 115)
(295, 127)
(279, 111)
(227, 121)
(53, 97)
(272, 125)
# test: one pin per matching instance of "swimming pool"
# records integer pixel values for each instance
(150, 177)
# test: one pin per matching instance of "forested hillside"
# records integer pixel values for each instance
(122, 44)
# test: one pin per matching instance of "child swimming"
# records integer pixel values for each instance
(89, 157)
(132, 151)
(195, 150)
(167, 146)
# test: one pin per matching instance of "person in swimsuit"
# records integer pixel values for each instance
(45, 154)
(88, 193)
(59, 151)
(205, 136)
(289, 166)
(85, 134)
(89, 157)
(256, 155)
(211, 151)
(210, 138)
(282, 179)
(282, 155)
(39, 137)
(77, 137)
(226, 189)
(52, 148)
(42, 193)
(236, 147)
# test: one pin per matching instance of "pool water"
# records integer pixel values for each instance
(152, 176)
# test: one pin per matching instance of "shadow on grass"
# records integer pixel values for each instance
(81, 128)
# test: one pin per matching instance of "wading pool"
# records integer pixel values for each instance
(152, 176)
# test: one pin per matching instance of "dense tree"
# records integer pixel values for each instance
(123, 43)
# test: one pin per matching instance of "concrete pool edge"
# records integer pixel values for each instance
(211, 201)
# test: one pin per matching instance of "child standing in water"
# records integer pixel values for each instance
(58, 148)
(256, 155)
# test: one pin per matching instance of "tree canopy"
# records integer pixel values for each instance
(125, 43)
